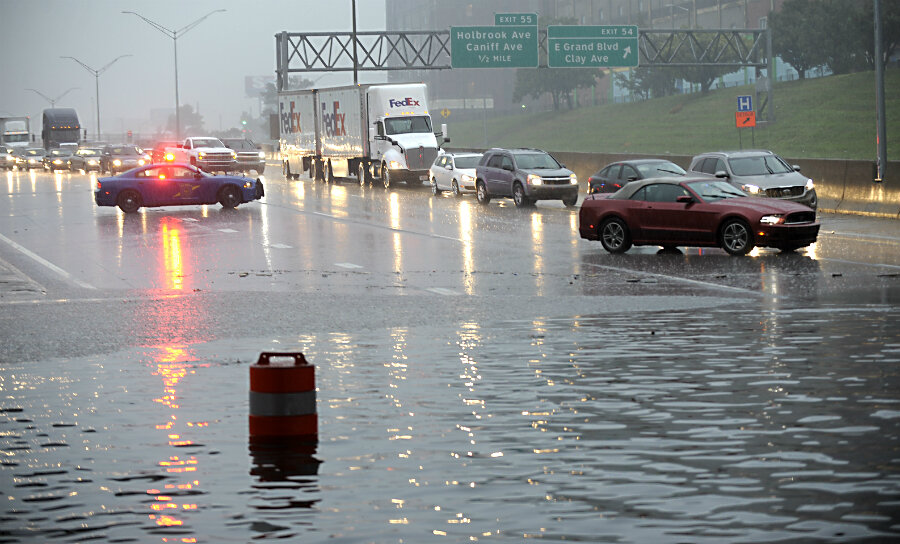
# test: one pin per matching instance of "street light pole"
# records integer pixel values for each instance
(175, 34)
(97, 82)
(52, 101)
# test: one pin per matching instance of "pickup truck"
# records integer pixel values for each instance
(208, 154)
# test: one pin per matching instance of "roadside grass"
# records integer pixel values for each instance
(829, 117)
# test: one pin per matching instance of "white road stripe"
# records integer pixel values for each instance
(442, 291)
(40, 260)
(280, 246)
(678, 279)
(227, 231)
(347, 265)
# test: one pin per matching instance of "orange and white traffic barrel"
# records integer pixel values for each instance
(283, 397)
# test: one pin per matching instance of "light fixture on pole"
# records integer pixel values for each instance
(97, 82)
(53, 101)
(175, 34)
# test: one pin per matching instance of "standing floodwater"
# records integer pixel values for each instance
(702, 426)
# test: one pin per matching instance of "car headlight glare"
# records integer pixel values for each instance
(573, 179)
(92, 162)
(117, 162)
(534, 179)
(248, 184)
(466, 178)
(775, 219)
(810, 185)
(752, 189)
(57, 161)
(394, 165)
(233, 155)
(170, 157)
(201, 155)
(262, 154)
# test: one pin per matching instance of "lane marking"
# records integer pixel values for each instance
(347, 265)
(40, 260)
(281, 246)
(227, 231)
(442, 291)
(679, 279)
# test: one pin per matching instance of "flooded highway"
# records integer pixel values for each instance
(482, 375)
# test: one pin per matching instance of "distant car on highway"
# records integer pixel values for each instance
(525, 175)
(174, 184)
(119, 158)
(698, 212)
(7, 158)
(30, 158)
(159, 155)
(454, 172)
(86, 159)
(249, 155)
(759, 173)
(57, 159)
(615, 175)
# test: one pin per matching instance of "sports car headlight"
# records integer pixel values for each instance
(573, 179)
(752, 189)
(776, 219)
(810, 185)
(467, 178)
(394, 165)
(117, 162)
(534, 179)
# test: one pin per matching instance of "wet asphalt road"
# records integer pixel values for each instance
(483, 374)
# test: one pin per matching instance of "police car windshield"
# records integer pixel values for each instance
(407, 125)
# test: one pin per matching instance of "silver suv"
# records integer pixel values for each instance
(525, 175)
(759, 173)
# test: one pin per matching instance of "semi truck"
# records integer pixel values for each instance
(15, 131)
(378, 133)
(61, 126)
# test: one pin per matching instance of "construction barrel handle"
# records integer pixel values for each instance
(298, 357)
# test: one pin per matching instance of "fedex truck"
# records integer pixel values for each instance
(380, 133)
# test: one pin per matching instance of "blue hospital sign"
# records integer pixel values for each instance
(745, 103)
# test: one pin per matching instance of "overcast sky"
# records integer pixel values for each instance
(213, 58)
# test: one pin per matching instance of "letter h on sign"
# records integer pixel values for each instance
(745, 103)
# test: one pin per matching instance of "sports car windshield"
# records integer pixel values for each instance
(711, 191)
(762, 165)
(536, 161)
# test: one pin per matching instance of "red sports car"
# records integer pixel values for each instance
(702, 212)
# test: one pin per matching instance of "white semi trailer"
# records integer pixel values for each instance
(378, 133)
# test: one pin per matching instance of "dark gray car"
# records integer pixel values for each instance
(525, 175)
(249, 155)
(759, 173)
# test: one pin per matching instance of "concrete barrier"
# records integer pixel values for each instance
(843, 186)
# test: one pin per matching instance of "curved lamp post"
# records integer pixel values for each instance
(97, 82)
(175, 34)
(53, 101)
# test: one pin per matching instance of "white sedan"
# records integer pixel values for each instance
(454, 172)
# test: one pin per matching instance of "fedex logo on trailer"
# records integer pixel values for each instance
(334, 122)
(290, 120)
(408, 101)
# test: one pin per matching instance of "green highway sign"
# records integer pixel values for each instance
(501, 19)
(592, 46)
(494, 46)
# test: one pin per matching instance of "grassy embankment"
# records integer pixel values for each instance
(829, 117)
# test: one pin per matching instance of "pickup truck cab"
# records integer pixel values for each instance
(207, 153)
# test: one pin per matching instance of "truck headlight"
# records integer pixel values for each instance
(201, 155)
(775, 219)
(262, 154)
(233, 155)
(810, 185)
(92, 162)
(534, 179)
(117, 162)
(752, 189)
(573, 179)
(395, 165)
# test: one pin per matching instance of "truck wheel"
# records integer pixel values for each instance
(230, 196)
(385, 176)
(329, 173)
(362, 172)
(286, 170)
(313, 169)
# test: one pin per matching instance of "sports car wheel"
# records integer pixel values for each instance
(481, 193)
(434, 188)
(735, 237)
(455, 188)
(614, 236)
(229, 196)
(129, 201)
(519, 196)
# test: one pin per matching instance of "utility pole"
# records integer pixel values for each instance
(881, 128)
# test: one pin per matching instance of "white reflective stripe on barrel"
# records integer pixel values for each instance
(282, 404)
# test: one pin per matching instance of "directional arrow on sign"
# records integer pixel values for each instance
(627, 51)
